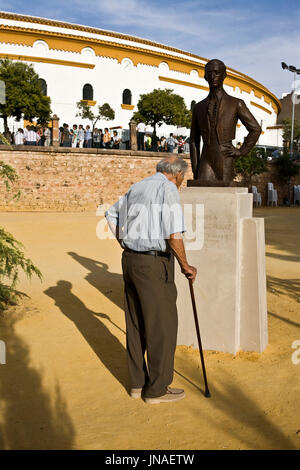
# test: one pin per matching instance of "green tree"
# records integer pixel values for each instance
(286, 169)
(12, 257)
(104, 112)
(287, 132)
(252, 164)
(162, 106)
(24, 96)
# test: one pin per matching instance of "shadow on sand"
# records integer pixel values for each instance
(228, 397)
(106, 346)
(289, 287)
(249, 417)
(108, 283)
(29, 418)
(239, 416)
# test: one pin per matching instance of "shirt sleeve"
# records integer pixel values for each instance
(113, 213)
(172, 215)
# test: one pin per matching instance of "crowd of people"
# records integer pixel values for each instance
(162, 144)
(32, 135)
(79, 136)
(152, 143)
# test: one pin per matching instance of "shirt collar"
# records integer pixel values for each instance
(163, 177)
(218, 94)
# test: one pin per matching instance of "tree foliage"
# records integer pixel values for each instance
(12, 257)
(104, 112)
(287, 131)
(286, 167)
(252, 164)
(24, 96)
(162, 106)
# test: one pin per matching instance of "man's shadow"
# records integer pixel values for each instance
(108, 283)
(107, 347)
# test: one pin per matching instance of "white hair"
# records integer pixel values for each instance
(172, 167)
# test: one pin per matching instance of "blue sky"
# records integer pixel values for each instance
(252, 36)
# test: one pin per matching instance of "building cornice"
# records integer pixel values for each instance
(184, 83)
(260, 107)
(138, 55)
(46, 60)
(89, 29)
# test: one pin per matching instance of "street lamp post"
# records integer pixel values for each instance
(295, 71)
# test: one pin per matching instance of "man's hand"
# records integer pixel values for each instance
(190, 272)
(176, 244)
(231, 151)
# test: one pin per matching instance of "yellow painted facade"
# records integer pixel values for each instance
(138, 55)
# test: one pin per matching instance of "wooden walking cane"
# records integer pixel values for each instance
(206, 393)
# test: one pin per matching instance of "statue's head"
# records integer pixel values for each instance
(215, 73)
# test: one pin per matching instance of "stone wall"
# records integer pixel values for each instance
(261, 182)
(72, 179)
(81, 179)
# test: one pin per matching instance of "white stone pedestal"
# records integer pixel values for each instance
(228, 250)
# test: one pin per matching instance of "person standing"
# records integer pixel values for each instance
(155, 142)
(19, 137)
(74, 136)
(140, 135)
(80, 136)
(88, 137)
(96, 138)
(163, 144)
(32, 137)
(148, 223)
(40, 133)
(66, 138)
(26, 130)
(180, 144)
(116, 140)
(148, 141)
(171, 143)
(101, 139)
(106, 139)
(47, 135)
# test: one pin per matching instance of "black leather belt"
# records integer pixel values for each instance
(150, 252)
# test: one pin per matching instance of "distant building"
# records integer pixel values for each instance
(78, 62)
(287, 108)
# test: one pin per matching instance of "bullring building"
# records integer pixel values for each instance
(77, 63)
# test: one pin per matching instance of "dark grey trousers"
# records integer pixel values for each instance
(151, 321)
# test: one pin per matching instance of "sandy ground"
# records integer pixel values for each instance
(65, 382)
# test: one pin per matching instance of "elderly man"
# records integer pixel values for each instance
(148, 223)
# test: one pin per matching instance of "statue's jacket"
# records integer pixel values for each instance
(230, 110)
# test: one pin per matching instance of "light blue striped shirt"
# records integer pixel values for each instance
(148, 214)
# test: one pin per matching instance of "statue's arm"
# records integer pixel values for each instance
(252, 126)
(195, 136)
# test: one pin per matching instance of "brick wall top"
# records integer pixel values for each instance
(73, 179)
(67, 179)
(42, 151)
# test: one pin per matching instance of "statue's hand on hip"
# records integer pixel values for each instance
(229, 151)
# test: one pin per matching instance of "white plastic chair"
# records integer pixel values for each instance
(272, 195)
(256, 196)
(297, 194)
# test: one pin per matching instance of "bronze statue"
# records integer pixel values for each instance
(215, 119)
